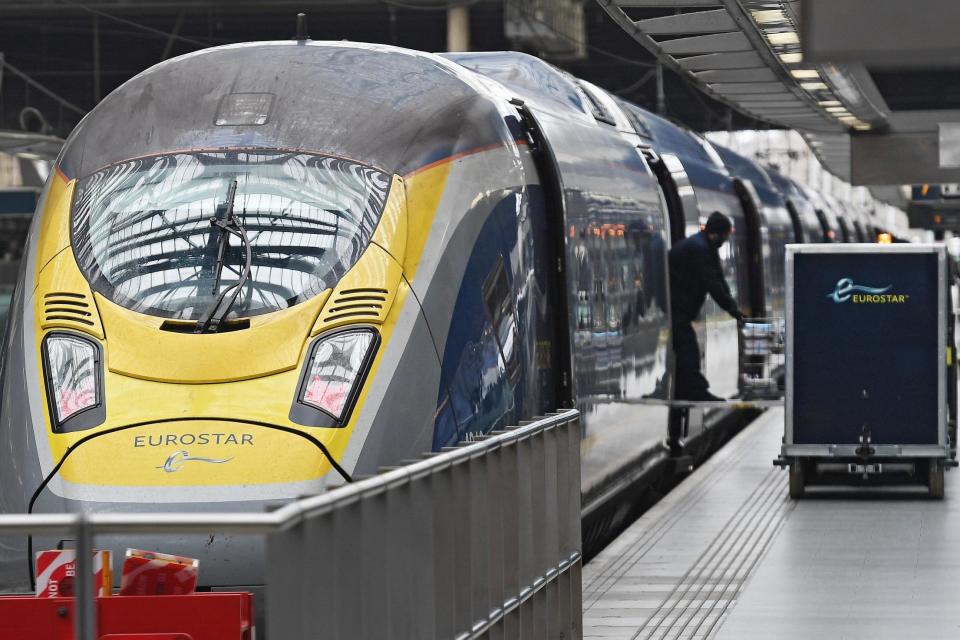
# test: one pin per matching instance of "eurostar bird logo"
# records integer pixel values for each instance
(845, 289)
(176, 461)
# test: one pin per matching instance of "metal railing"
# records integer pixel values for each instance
(477, 541)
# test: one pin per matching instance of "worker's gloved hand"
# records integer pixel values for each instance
(738, 316)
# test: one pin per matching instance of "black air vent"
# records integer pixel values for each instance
(356, 303)
(67, 307)
(180, 326)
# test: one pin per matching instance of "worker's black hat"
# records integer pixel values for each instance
(718, 223)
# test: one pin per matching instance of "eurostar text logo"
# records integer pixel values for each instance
(859, 294)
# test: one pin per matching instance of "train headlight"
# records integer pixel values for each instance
(72, 365)
(335, 370)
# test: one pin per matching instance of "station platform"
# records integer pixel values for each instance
(727, 555)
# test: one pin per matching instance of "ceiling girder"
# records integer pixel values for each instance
(710, 61)
(670, 4)
(713, 43)
(761, 74)
(742, 88)
(716, 21)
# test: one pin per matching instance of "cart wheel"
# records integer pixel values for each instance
(797, 479)
(935, 479)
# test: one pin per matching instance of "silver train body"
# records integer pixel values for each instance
(507, 223)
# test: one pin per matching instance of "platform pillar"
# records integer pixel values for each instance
(458, 28)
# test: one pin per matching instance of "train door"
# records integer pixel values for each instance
(677, 191)
(554, 356)
(860, 233)
(844, 230)
(615, 244)
(755, 232)
(798, 235)
(682, 206)
(824, 225)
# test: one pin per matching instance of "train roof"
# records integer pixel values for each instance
(402, 108)
(747, 169)
(546, 86)
(786, 186)
(529, 77)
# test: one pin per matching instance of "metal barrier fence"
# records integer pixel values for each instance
(477, 541)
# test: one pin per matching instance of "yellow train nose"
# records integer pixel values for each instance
(199, 453)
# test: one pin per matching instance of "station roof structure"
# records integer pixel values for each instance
(869, 101)
(61, 57)
(869, 83)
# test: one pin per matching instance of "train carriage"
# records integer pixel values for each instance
(302, 261)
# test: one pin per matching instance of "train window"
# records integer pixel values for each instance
(638, 124)
(142, 233)
(709, 150)
(596, 107)
(498, 299)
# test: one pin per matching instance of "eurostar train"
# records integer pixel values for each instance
(260, 269)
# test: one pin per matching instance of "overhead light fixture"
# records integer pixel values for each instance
(848, 119)
(837, 110)
(783, 37)
(790, 58)
(805, 74)
(830, 103)
(768, 16)
(863, 126)
(813, 86)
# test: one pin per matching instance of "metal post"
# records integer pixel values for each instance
(97, 93)
(373, 561)
(458, 28)
(496, 541)
(462, 536)
(84, 598)
(661, 96)
(445, 563)
(508, 496)
(168, 48)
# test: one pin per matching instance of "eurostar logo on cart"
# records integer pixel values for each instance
(847, 291)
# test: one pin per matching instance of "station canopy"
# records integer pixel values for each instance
(871, 84)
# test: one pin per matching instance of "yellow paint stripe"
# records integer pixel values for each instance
(424, 191)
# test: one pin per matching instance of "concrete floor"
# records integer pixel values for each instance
(727, 555)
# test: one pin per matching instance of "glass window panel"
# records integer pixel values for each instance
(143, 238)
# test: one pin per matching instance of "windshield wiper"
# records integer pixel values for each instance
(227, 224)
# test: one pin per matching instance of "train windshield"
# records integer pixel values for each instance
(143, 238)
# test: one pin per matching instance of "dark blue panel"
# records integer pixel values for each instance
(473, 366)
(445, 431)
(862, 363)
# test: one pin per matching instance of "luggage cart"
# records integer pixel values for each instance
(868, 359)
(761, 352)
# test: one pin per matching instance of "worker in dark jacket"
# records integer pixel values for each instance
(694, 272)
